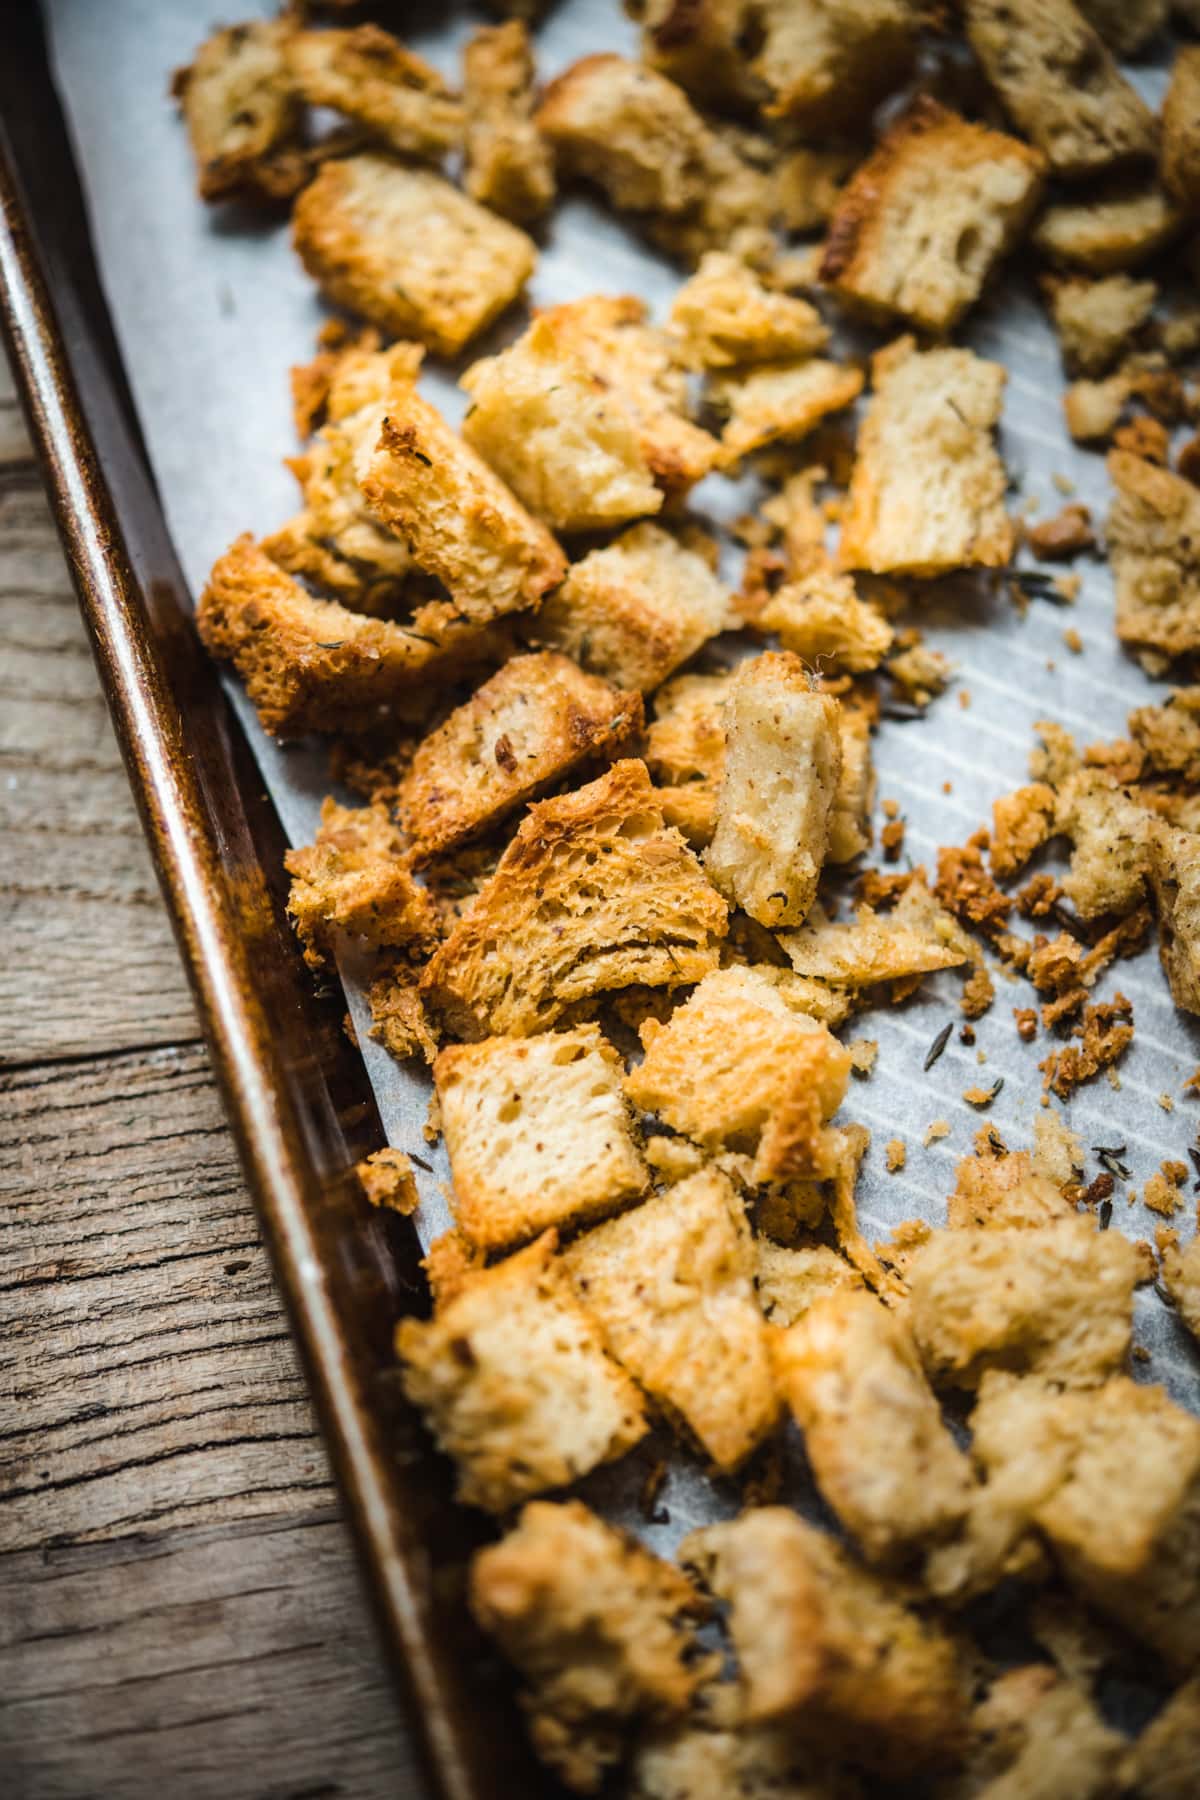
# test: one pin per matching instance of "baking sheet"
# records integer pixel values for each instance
(211, 309)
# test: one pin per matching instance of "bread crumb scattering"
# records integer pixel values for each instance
(896, 1153)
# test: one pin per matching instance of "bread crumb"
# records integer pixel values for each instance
(1063, 483)
(1161, 1193)
(1166, 1102)
(1067, 534)
(937, 1128)
(863, 1052)
(387, 1180)
(1073, 641)
(896, 1152)
(981, 1097)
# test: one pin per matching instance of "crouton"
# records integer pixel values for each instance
(355, 878)
(241, 114)
(738, 1068)
(1154, 547)
(822, 620)
(829, 1647)
(1181, 1277)
(631, 131)
(1161, 1764)
(850, 817)
(542, 933)
(515, 1383)
(1021, 823)
(809, 181)
(826, 63)
(1055, 1744)
(1169, 735)
(530, 725)
(537, 1133)
(735, 212)
(1002, 1191)
(1175, 879)
(788, 1282)
(1180, 157)
(672, 1285)
(878, 947)
(695, 43)
(459, 520)
(780, 401)
(920, 225)
(755, 1762)
(873, 1431)
(633, 611)
(398, 1018)
(597, 1627)
(724, 315)
(1125, 25)
(782, 768)
(942, 510)
(1095, 320)
(685, 752)
(1059, 84)
(1052, 1300)
(408, 251)
(386, 1178)
(368, 75)
(1116, 226)
(311, 665)
(508, 163)
(1110, 837)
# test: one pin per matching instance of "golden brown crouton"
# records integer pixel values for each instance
(593, 893)
(1154, 548)
(630, 130)
(695, 43)
(672, 1285)
(1115, 226)
(408, 251)
(1055, 1744)
(241, 114)
(355, 878)
(822, 620)
(530, 725)
(537, 1133)
(386, 1178)
(915, 938)
(782, 768)
(736, 210)
(459, 520)
(850, 819)
(725, 315)
(1059, 84)
(1093, 408)
(1162, 1763)
(1175, 879)
(780, 401)
(1169, 734)
(826, 63)
(636, 609)
(515, 1382)
(923, 221)
(1021, 823)
(596, 1626)
(398, 1018)
(944, 509)
(685, 752)
(1180, 159)
(1052, 1300)
(1110, 837)
(829, 1647)
(755, 1762)
(1095, 320)
(311, 665)
(808, 181)
(368, 75)
(788, 1282)
(508, 165)
(1002, 1191)
(738, 1068)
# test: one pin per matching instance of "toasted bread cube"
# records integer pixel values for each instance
(633, 611)
(828, 1646)
(695, 43)
(1154, 547)
(821, 619)
(594, 893)
(1180, 160)
(672, 1285)
(826, 63)
(1110, 837)
(942, 510)
(585, 415)
(368, 75)
(1039, 1737)
(1125, 25)
(850, 819)
(1117, 226)
(873, 1431)
(1093, 408)
(738, 1068)
(530, 725)
(1170, 734)
(783, 763)
(408, 251)
(1161, 1764)
(685, 752)
(755, 1762)
(241, 114)
(808, 182)
(311, 665)
(920, 226)
(1021, 823)
(1175, 879)
(1055, 1301)
(631, 131)
(355, 878)
(736, 212)
(597, 1627)
(725, 315)
(1059, 84)
(459, 520)
(1003, 1192)
(910, 940)
(780, 401)
(516, 1384)
(1096, 320)
(788, 1281)
(1181, 1278)
(537, 1132)
(509, 166)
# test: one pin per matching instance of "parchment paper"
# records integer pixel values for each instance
(211, 311)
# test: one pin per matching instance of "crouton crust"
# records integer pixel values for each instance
(1004, 1191)
(826, 63)
(544, 933)
(1118, 225)
(371, 77)
(1096, 321)
(508, 163)
(1154, 548)
(241, 114)
(935, 185)
(784, 401)
(789, 1281)
(408, 251)
(822, 620)
(914, 939)
(355, 878)
(1175, 879)
(695, 44)
(1180, 160)
(685, 751)
(725, 315)
(630, 130)
(1021, 823)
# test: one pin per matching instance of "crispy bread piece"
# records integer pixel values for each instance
(780, 401)
(783, 764)
(537, 1132)
(459, 520)
(755, 1762)
(398, 1018)
(1180, 157)
(695, 43)
(1181, 1277)
(1021, 823)
(736, 211)
(672, 1286)
(850, 818)
(597, 1627)
(1169, 735)
(594, 893)
(408, 251)
(790, 1281)
(515, 1383)
(530, 725)
(1117, 225)
(368, 75)
(386, 1178)
(1154, 546)
(738, 1068)
(1096, 320)
(1125, 25)
(635, 610)
(725, 315)
(631, 131)
(355, 878)
(809, 181)
(913, 939)
(241, 114)
(828, 1646)
(873, 1431)
(942, 510)
(1055, 1300)
(921, 224)
(822, 620)
(826, 63)
(1004, 1191)
(1093, 408)
(1110, 837)
(1059, 84)
(1162, 1763)
(1055, 1743)
(1175, 880)
(685, 752)
(508, 162)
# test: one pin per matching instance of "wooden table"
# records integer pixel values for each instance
(180, 1614)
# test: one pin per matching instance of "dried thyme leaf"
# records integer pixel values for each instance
(938, 1045)
(1110, 1155)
